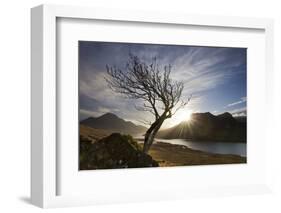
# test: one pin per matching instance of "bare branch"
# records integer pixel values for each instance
(146, 82)
(181, 105)
(156, 88)
(145, 122)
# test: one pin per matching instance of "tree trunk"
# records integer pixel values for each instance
(151, 132)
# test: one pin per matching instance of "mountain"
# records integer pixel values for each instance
(112, 122)
(242, 119)
(208, 127)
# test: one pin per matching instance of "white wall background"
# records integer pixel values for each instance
(15, 105)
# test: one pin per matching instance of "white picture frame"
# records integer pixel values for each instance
(44, 154)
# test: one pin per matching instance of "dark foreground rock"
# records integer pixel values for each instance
(113, 152)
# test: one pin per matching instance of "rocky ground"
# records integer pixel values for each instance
(113, 152)
(103, 150)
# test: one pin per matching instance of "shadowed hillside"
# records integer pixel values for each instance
(103, 147)
(208, 127)
(113, 123)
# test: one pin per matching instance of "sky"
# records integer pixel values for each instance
(215, 77)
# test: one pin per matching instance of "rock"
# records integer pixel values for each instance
(113, 152)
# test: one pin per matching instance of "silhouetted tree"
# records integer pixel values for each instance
(144, 81)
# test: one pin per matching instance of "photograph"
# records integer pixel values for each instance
(161, 105)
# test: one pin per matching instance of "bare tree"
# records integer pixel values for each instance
(144, 81)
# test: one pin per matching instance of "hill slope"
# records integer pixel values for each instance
(113, 123)
(208, 127)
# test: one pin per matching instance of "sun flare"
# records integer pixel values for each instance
(180, 116)
(188, 116)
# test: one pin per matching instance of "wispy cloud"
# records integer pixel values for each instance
(242, 100)
(201, 69)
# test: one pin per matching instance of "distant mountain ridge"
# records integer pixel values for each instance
(209, 127)
(110, 121)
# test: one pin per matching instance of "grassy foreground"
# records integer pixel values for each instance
(178, 155)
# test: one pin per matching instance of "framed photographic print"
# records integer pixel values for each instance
(161, 105)
(131, 102)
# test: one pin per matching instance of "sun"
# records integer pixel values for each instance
(180, 116)
(188, 115)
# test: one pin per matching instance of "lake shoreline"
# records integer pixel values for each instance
(215, 147)
(195, 140)
(204, 140)
(167, 154)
